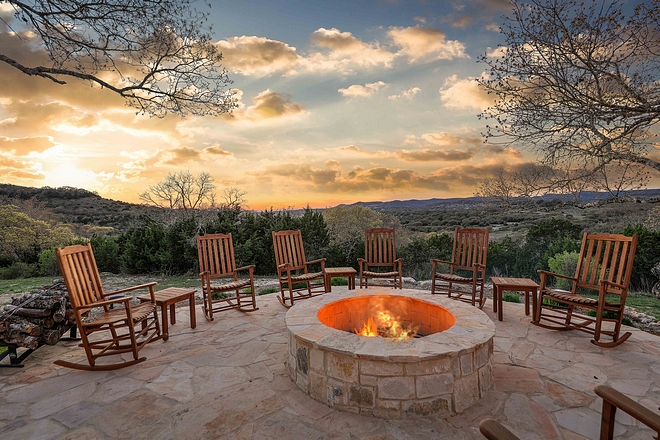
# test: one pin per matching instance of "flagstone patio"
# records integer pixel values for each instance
(227, 379)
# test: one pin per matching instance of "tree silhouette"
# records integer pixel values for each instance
(157, 54)
(579, 84)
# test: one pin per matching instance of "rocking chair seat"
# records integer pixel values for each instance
(230, 286)
(452, 277)
(563, 295)
(370, 274)
(307, 276)
(138, 313)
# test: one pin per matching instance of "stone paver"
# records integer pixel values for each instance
(228, 379)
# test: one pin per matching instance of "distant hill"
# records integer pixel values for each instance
(77, 206)
(467, 202)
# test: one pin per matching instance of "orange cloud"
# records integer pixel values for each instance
(217, 151)
(421, 42)
(427, 154)
(267, 105)
(24, 146)
(444, 139)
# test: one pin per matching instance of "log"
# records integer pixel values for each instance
(27, 312)
(38, 317)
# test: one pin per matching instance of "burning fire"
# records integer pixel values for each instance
(388, 327)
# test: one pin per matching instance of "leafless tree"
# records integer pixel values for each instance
(579, 83)
(233, 198)
(183, 191)
(157, 54)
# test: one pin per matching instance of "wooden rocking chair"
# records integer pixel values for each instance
(379, 253)
(292, 269)
(468, 257)
(604, 268)
(119, 325)
(216, 260)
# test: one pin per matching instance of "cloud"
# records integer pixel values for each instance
(462, 21)
(328, 180)
(365, 91)
(266, 105)
(427, 154)
(464, 94)
(248, 55)
(406, 94)
(498, 52)
(344, 53)
(178, 156)
(426, 43)
(493, 27)
(26, 145)
(215, 150)
(444, 139)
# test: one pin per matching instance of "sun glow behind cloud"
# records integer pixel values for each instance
(374, 103)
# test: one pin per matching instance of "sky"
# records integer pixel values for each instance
(340, 101)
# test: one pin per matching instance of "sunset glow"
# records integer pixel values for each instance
(338, 102)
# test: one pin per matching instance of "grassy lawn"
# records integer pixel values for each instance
(8, 287)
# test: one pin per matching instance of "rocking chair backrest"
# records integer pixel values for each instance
(606, 257)
(289, 249)
(470, 247)
(80, 274)
(216, 254)
(379, 246)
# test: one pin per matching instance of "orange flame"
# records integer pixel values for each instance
(368, 329)
(387, 327)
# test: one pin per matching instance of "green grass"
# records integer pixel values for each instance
(24, 285)
(511, 297)
(268, 290)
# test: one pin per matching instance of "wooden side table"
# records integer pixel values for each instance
(169, 297)
(525, 285)
(331, 272)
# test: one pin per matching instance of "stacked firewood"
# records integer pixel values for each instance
(37, 318)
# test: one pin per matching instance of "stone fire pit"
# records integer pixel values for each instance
(443, 372)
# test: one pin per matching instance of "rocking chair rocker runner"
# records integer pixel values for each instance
(380, 252)
(292, 269)
(216, 260)
(119, 326)
(469, 257)
(604, 267)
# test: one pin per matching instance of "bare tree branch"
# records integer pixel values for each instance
(578, 84)
(157, 54)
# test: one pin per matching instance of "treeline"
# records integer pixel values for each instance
(154, 246)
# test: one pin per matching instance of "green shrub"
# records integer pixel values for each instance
(339, 281)
(511, 297)
(18, 270)
(564, 264)
(48, 265)
(611, 315)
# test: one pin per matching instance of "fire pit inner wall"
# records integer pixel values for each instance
(444, 372)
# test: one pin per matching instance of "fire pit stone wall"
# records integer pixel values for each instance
(443, 373)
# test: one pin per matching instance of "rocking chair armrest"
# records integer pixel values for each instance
(283, 267)
(629, 406)
(122, 299)
(436, 261)
(129, 289)
(250, 268)
(552, 274)
(613, 284)
(320, 260)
